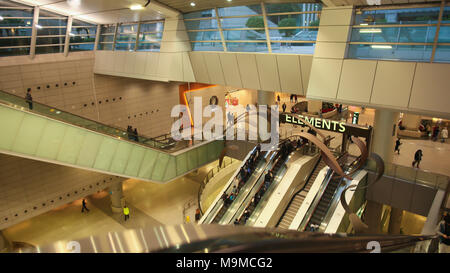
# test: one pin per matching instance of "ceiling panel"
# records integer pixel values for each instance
(98, 11)
(185, 5)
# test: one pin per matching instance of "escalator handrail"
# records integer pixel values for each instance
(325, 188)
(237, 172)
(254, 184)
(300, 190)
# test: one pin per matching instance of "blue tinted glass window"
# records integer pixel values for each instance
(102, 46)
(299, 34)
(241, 10)
(442, 54)
(444, 34)
(391, 52)
(81, 47)
(200, 14)
(292, 7)
(14, 51)
(125, 46)
(244, 35)
(11, 32)
(149, 47)
(201, 24)
(293, 20)
(16, 22)
(394, 34)
(398, 16)
(204, 36)
(207, 46)
(150, 37)
(293, 48)
(247, 47)
(243, 22)
(49, 49)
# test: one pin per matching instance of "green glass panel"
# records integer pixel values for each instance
(148, 163)
(182, 165)
(89, 150)
(106, 154)
(171, 169)
(71, 145)
(121, 157)
(51, 139)
(29, 134)
(9, 122)
(202, 153)
(160, 167)
(192, 159)
(135, 161)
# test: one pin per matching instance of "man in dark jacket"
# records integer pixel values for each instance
(29, 99)
(397, 146)
(284, 107)
(417, 158)
(444, 234)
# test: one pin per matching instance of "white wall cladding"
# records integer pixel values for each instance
(260, 71)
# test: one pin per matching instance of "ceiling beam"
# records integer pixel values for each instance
(167, 11)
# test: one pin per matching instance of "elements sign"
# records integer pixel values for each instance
(319, 123)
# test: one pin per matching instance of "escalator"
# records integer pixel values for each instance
(252, 207)
(255, 169)
(299, 197)
(222, 206)
(58, 137)
(327, 195)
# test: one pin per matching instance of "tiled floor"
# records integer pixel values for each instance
(150, 204)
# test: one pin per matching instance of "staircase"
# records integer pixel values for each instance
(298, 198)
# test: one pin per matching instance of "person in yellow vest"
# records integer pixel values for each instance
(126, 212)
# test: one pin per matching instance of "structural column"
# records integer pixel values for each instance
(384, 134)
(395, 221)
(3, 242)
(373, 217)
(117, 200)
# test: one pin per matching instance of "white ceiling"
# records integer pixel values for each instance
(98, 11)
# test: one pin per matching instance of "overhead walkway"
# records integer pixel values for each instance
(55, 136)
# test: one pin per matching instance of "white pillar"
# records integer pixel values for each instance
(116, 197)
(384, 134)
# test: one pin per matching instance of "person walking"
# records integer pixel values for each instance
(444, 135)
(126, 212)
(29, 99)
(135, 133)
(278, 99)
(397, 146)
(417, 158)
(295, 96)
(197, 215)
(130, 132)
(292, 98)
(83, 206)
(435, 133)
(443, 230)
(236, 222)
(284, 107)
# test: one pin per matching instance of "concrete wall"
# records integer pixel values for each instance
(401, 194)
(258, 71)
(71, 85)
(29, 188)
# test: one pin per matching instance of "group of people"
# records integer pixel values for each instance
(126, 210)
(443, 132)
(132, 133)
(417, 155)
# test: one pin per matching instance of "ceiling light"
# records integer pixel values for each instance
(39, 26)
(370, 30)
(1, 18)
(136, 7)
(381, 46)
(229, 0)
(192, 4)
(364, 24)
(71, 34)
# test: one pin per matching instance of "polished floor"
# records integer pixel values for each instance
(150, 204)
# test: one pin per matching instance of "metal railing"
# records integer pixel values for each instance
(417, 176)
(227, 161)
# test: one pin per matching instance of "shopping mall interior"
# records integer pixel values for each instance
(224, 125)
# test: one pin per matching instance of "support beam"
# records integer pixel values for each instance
(68, 31)
(116, 193)
(34, 32)
(167, 11)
